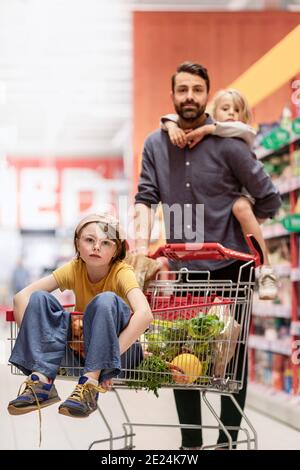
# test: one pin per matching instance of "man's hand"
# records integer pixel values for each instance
(195, 136)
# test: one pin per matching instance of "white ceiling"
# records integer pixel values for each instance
(65, 75)
(66, 70)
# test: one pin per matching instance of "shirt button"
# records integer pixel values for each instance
(187, 163)
(188, 185)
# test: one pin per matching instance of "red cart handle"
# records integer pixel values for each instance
(11, 318)
(216, 251)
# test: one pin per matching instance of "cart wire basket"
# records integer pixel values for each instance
(197, 339)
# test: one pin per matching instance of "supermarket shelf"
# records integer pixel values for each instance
(286, 186)
(285, 270)
(274, 230)
(295, 274)
(262, 152)
(265, 308)
(277, 405)
(278, 346)
(282, 270)
(295, 328)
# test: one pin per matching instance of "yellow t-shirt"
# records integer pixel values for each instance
(73, 276)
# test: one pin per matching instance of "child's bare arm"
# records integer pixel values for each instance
(177, 136)
(195, 136)
(139, 321)
(169, 124)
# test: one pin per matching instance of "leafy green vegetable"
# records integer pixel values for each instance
(177, 331)
(197, 347)
(205, 326)
(151, 374)
(167, 341)
(156, 341)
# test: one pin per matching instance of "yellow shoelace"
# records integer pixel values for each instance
(81, 389)
(29, 386)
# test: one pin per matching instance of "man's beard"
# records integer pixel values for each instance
(190, 114)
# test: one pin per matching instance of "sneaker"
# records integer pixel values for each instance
(83, 401)
(36, 395)
(267, 283)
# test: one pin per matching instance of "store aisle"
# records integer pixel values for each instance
(60, 432)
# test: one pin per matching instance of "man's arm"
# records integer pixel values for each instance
(143, 223)
(251, 174)
(146, 200)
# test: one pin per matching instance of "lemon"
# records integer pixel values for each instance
(189, 366)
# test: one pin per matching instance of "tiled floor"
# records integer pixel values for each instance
(60, 432)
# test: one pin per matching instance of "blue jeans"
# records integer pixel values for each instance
(42, 341)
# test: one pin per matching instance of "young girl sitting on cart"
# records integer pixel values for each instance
(115, 314)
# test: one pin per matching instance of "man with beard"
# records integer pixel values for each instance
(185, 180)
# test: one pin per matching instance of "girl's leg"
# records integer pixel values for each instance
(104, 319)
(243, 212)
(267, 280)
(41, 342)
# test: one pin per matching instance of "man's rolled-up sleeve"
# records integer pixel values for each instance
(251, 174)
(148, 191)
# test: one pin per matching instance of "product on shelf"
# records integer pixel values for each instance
(297, 206)
(291, 222)
(279, 252)
(295, 157)
(274, 370)
(287, 380)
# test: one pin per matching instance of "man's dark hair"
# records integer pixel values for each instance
(194, 69)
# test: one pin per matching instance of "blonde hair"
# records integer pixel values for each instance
(238, 100)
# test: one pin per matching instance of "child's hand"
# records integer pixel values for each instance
(106, 385)
(196, 135)
(77, 326)
(177, 135)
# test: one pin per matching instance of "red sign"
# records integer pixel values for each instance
(45, 194)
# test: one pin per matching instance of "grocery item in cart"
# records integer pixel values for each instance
(144, 267)
(225, 344)
(187, 368)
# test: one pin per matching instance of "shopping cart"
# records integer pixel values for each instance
(197, 340)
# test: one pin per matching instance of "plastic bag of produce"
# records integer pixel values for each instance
(225, 344)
